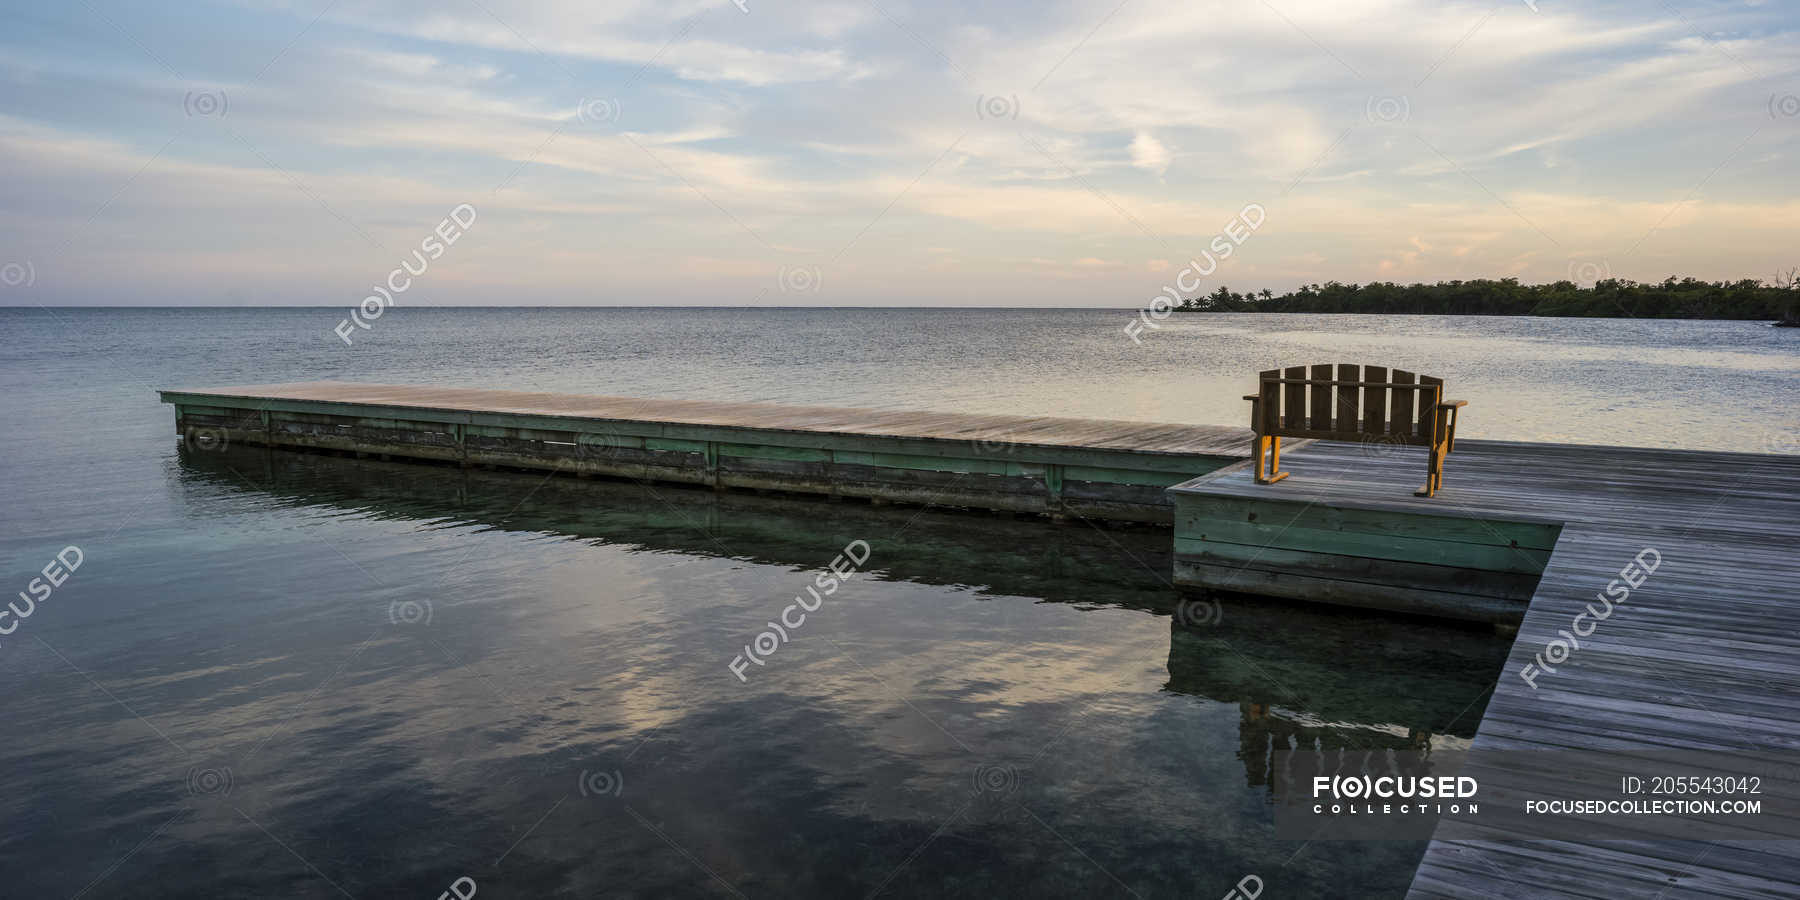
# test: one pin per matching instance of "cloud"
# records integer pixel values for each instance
(850, 135)
(1149, 154)
(672, 36)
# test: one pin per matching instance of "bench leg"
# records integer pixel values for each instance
(1434, 472)
(1271, 447)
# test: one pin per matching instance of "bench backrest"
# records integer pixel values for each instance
(1347, 402)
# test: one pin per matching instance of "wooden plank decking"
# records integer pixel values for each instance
(1108, 434)
(1705, 654)
(1039, 465)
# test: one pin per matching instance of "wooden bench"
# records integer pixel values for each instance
(1366, 404)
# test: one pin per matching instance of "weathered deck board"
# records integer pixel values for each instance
(1705, 654)
(1059, 467)
(1141, 437)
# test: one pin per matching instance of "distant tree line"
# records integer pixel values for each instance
(1686, 298)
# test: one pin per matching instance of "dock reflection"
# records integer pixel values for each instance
(1326, 680)
(1335, 682)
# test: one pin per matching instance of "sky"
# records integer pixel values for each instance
(883, 152)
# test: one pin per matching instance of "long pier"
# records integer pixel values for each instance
(1703, 654)
(1058, 467)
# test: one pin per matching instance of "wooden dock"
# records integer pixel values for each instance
(1027, 464)
(1704, 654)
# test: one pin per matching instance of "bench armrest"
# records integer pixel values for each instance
(1252, 396)
(1454, 408)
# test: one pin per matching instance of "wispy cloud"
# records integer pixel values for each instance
(1056, 148)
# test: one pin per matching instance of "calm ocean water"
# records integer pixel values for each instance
(284, 675)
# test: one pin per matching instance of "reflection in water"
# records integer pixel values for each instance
(1024, 558)
(998, 710)
(1352, 686)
